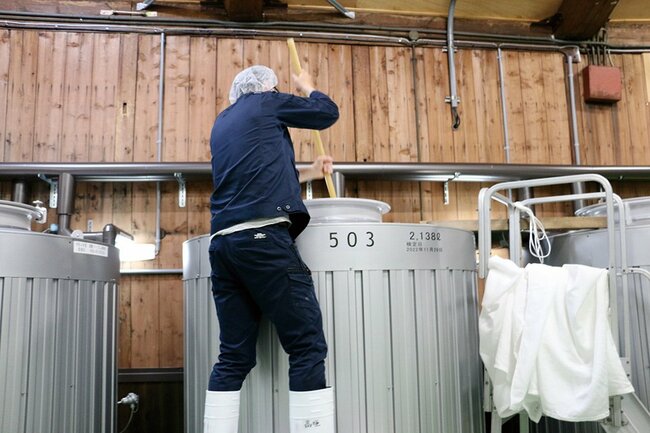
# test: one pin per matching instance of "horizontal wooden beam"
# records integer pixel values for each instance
(550, 223)
(244, 10)
(619, 33)
(272, 11)
(581, 19)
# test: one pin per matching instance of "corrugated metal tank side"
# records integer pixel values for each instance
(401, 324)
(58, 331)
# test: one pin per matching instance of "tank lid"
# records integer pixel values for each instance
(18, 215)
(637, 211)
(345, 210)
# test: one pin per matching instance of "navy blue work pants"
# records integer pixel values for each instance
(255, 273)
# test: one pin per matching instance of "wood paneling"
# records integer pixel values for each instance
(5, 59)
(146, 99)
(103, 98)
(555, 109)
(77, 89)
(126, 97)
(514, 107)
(21, 96)
(94, 97)
(202, 97)
(50, 81)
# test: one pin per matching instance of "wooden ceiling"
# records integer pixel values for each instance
(565, 19)
(521, 10)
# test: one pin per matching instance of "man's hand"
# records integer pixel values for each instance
(304, 82)
(318, 169)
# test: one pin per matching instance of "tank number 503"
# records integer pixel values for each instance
(352, 239)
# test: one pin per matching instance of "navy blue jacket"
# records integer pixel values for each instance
(253, 162)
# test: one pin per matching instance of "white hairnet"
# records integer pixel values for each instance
(255, 79)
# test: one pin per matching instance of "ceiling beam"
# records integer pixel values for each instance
(581, 19)
(244, 10)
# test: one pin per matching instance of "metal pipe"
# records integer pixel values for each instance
(65, 206)
(504, 110)
(339, 183)
(297, 30)
(207, 26)
(416, 105)
(453, 97)
(399, 171)
(341, 9)
(525, 193)
(622, 223)
(19, 192)
(232, 32)
(159, 138)
(571, 54)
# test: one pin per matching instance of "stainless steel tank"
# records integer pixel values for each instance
(399, 311)
(590, 247)
(58, 307)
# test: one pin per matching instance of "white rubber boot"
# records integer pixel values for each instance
(312, 411)
(221, 412)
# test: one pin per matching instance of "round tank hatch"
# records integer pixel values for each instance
(17, 215)
(340, 210)
(637, 211)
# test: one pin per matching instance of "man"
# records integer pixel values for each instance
(257, 212)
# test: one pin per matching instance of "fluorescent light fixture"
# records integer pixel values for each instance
(131, 251)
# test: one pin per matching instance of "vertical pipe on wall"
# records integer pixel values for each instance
(65, 206)
(414, 36)
(19, 191)
(504, 111)
(572, 54)
(453, 97)
(414, 74)
(159, 138)
(339, 183)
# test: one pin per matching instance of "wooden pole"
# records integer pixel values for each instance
(295, 64)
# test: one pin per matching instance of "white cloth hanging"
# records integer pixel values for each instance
(546, 343)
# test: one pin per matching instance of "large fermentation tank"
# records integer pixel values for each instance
(590, 247)
(399, 309)
(58, 304)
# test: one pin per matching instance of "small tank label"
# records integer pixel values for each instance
(424, 242)
(89, 249)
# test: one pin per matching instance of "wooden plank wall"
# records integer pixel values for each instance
(68, 96)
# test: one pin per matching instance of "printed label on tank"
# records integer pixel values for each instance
(423, 241)
(90, 249)
(334, 247)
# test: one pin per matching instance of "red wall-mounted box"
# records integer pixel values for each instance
(602, 83)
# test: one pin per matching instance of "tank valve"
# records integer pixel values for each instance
(42, 210)
(132, 399)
